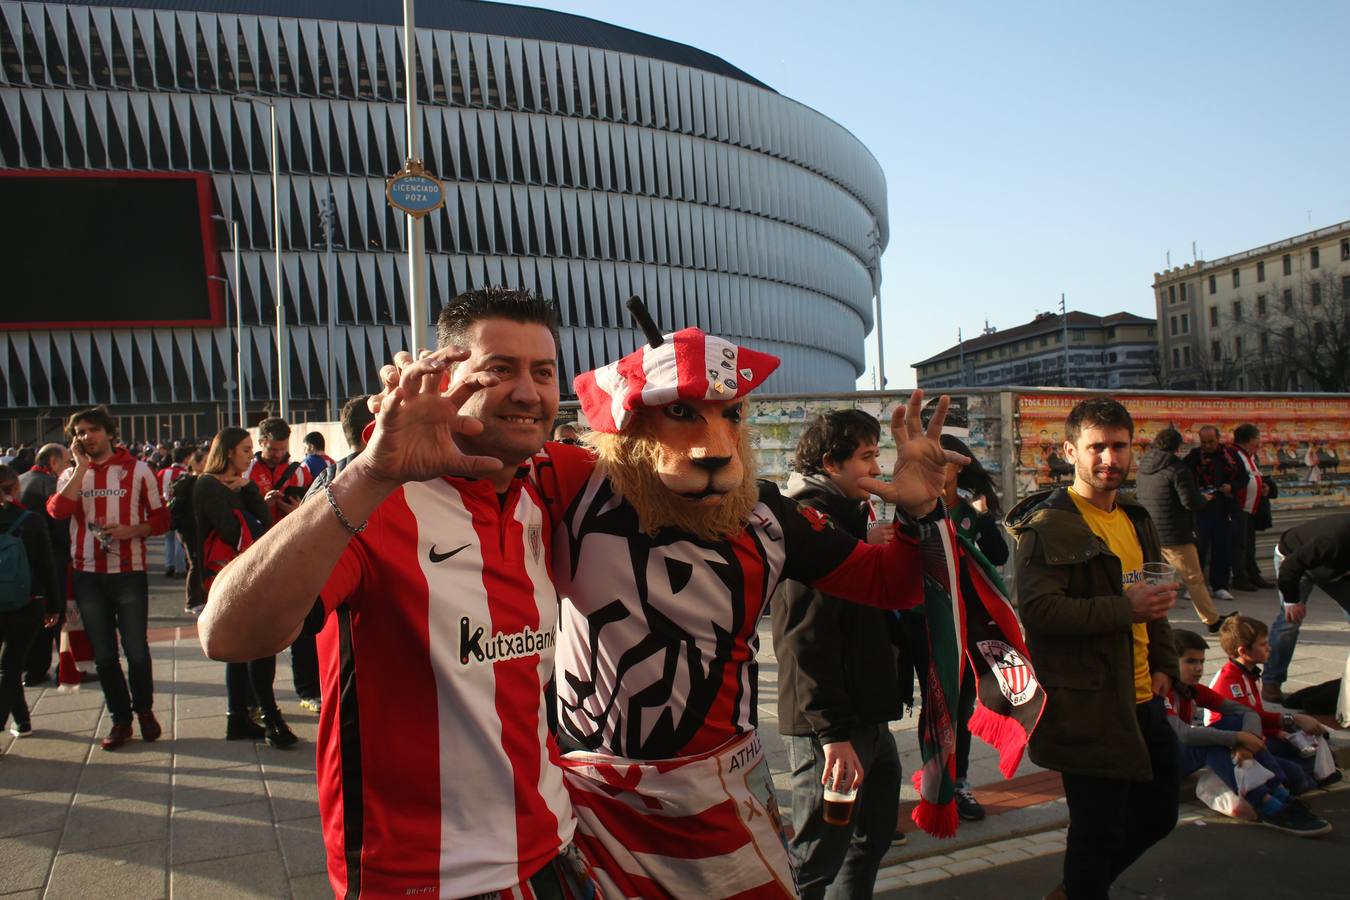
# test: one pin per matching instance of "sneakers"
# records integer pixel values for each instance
(899, 839)
(1295, 819)
(313, 704)
(117, 736)
(967, 807)
(1218, 623)
(21, 729)
(1221, 594)
(1331, 779)
(1271, 693)
(150, 730)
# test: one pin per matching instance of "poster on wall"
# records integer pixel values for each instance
(1304, 440)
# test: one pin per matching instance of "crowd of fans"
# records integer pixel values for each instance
(74, 520)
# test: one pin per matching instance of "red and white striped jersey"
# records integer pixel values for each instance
(167, 476)
(657, 656)
(276, 478)
(437, 775)
(1248, 487)
(121, 490)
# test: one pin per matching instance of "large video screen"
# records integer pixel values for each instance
(105, 249)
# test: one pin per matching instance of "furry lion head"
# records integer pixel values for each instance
(687, 465)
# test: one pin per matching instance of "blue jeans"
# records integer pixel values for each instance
(114, 605)
(174, 557)
(841, 861)
(1219, 760)
(1284, 634)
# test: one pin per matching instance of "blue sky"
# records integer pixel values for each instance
(1035, 148)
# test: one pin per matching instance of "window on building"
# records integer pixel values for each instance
(1059, 337)
(1287, 300)
(1171, 293)
(1345, 288)
(1260, 271)
(1288, 336)
(1213, 317)
(1173, 332)
(1237, 310)
(1316, 295)
(1150, 331)
(1288, 264)
(1186, 355)
(1213, 283)
(1045, 340)
(1215, 351)
(1260, 304)
(1185, 323)
(1237, 278)
(1183, 291)
(1315, 257)
(1265, 342)
(1111, 333)
(1318, 332)
(1176, 358)
(1237, 346)
(1345, 248)
(1079, 334)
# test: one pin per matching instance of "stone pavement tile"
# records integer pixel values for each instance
(50, 700)
(114, 823)
(112, 781)
(206, 787)
(1004, 857)
(311, 887)
(196, 707)
(135, 870)
(293, 796)
(966, 865)
(302, 846)
(35, 812)
(81, 721)
(26, 860)
(20, 774)
(23, 895)
(204, 739)
(253, 875)
(202, 834)
(52, 744)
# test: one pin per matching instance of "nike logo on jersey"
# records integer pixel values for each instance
(442, 557)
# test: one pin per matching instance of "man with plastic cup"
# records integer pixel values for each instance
(1097, 631)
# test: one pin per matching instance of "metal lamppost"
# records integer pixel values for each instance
(417, 256)
(326, 213)
(283, 348)
(239, 379)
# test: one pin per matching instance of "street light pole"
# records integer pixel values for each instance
(327, 214)
(239, 376)
(418, 310)
(283, 347)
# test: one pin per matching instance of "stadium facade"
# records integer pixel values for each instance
(584, 161)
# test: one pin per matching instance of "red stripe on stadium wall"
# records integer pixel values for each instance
(512, 607)
(403, 735)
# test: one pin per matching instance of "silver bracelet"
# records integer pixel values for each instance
(337, 510)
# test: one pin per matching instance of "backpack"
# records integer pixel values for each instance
(16, 578)
(181, 516)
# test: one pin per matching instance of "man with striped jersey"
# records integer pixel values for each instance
(113, 503)
(437, 775)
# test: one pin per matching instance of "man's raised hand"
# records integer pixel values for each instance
(920, 462)
(417, 416)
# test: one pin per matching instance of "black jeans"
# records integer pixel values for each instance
(250, 684)
(112, 606)
(841, 861)
(305, 666)
(1112, 821)
(38, 665)
(17, 629)
(1243, 546)
(1212, 540)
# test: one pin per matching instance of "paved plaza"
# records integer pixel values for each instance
(193, 815)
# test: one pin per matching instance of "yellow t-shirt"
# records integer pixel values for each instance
(1116, 529)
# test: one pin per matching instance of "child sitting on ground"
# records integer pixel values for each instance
(1234, 739)
(1246, 642)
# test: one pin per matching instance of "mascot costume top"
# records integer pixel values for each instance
(666, 551)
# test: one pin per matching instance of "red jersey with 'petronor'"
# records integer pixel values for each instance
(437, 775)
(121, 490)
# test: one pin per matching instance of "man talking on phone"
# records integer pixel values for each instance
(113, 503)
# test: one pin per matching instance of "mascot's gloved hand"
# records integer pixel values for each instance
(920, 462)
(417, 416)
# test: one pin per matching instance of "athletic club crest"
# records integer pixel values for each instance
(534, 537)
(1015, 677)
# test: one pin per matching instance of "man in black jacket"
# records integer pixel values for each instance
(1315, 553)
(1216, 471)
(35, 486)
(1166, 488)
(837, 685)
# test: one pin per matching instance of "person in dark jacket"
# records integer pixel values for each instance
(1098, 633)
(1313, 554)
(19, 625)
(837, 684)
(35, 486)
(1216, 472)
(1167, 489)
(225, 501)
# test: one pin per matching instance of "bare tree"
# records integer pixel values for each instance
(1305, 332)
(1216, 367)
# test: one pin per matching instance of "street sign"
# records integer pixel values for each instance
(414, 190)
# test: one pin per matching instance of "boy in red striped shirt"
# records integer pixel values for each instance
(113, 503)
